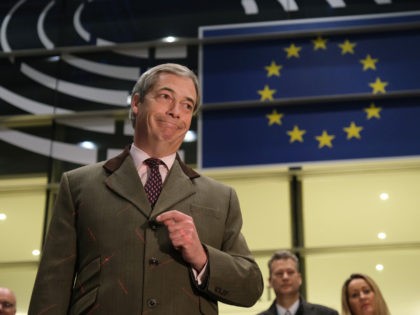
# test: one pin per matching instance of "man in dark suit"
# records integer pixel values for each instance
(285, 279)
(112, 249)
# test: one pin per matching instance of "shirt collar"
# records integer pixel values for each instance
(292, 309)
(139, 156)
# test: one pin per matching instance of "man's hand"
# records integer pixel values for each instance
(184, 237)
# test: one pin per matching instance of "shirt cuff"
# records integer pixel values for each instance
(199, 276)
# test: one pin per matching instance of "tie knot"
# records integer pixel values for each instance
(152, 162)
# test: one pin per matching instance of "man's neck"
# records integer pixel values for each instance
(156, 151)
(287, 301)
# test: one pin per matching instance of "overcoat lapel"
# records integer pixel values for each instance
(125, 181)
(177, 187)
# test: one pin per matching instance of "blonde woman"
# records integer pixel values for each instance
(360, 295)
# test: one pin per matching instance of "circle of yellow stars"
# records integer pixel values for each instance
(325, 139)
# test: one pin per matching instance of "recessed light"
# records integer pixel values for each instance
(169, 39)
(190, 136)
(384, 196)
(36, 252)
(88, 145)
(3, 216)
(382, 235)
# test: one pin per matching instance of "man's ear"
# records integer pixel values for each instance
(135, 103)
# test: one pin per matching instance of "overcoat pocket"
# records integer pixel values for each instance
(85, 287)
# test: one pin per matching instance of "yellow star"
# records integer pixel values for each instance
(325, 139)
(292, 51)
(368, 63)
(274, 118)
(347, 47)
(267, 93)
(273, 69)
(378, 86)
(296, 134)
(373, 111)
(353, 131)
(320, 43)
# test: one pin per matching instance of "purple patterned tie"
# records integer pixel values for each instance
(153, 184)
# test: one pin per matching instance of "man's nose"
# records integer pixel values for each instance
(174, 109)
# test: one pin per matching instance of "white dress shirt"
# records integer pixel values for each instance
(292, 309)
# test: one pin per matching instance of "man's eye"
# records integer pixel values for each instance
(189, 106)
(164, 96)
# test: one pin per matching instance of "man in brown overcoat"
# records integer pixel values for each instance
(109, 250)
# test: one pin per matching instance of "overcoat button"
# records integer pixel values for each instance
(154, 261)
(151, 303)
(153, 225)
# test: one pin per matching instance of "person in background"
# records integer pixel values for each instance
(360, 295)
(7, 302)
(285, 279)
(119, 243)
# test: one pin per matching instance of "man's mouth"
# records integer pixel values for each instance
(169, 123)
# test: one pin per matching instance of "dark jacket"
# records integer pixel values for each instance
(305, 308)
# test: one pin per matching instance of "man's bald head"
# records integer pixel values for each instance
(7, 302)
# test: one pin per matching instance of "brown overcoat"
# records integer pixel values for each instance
(105, 253)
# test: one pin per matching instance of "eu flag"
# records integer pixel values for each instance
(290, 68)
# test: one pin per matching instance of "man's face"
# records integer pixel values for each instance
(165, 115)
(7, 302)
(285, 278)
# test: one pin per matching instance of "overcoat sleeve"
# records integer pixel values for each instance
(233, 275)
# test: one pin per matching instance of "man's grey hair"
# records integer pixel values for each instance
(148, 79)
(283, 254)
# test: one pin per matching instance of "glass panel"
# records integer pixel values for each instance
(265, 204)
(374, 207)
(22, 210)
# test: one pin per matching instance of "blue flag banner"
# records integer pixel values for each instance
(290, 135)
(342, 65)
(269, 70)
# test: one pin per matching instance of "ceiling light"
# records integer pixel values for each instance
(36, 252)
(382, 235)
(3, 216)
(169, 39)
(379, 267)
(384, 196)
(53, 58)
(88, 145)
(190, 136)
